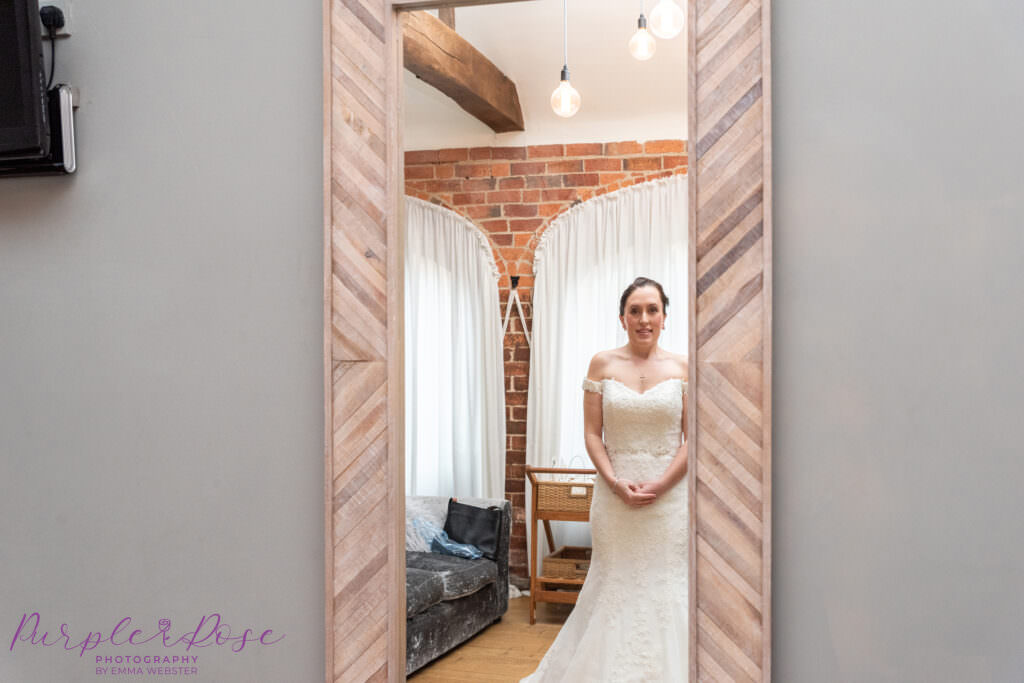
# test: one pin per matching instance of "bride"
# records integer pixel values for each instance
(630, 622)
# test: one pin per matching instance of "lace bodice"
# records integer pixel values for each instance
(647, 422)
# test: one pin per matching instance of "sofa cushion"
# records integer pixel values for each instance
(430, 513)
(423, 590)
(460, 576)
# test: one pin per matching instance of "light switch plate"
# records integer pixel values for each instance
(65, 7)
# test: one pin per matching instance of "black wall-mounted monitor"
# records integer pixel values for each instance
(24, 125)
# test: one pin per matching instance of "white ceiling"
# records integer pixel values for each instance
(622, 98)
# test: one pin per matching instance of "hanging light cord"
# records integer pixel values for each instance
(565, 34)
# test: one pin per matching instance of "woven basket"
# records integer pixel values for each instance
(564, 496)
(568, 562)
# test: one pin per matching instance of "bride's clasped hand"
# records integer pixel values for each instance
(637, 494)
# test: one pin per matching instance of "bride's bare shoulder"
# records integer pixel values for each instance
(682, 366)
(599, 364)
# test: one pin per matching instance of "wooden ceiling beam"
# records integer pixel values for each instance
(402, 5)
(447, 61)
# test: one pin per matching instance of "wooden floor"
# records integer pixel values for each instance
(506, 651)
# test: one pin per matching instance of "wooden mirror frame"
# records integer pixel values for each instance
(730, 338)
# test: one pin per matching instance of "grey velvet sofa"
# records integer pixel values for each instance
(450, 599)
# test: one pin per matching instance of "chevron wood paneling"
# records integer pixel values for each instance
(730, 346)
(360, 110)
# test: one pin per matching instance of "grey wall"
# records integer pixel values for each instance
(899, 385)
(161, 395)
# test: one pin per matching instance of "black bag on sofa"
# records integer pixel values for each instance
(474, 525)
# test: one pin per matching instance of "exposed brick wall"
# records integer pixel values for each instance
(513, 194)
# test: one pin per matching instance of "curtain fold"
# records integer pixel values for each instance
(584, 261)
(454, 374)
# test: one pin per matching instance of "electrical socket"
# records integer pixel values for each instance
(65, 7)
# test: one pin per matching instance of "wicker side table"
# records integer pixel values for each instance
(554, 501)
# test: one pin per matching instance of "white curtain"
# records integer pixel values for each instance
(585, 260)
(454, 375)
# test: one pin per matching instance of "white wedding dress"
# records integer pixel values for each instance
(631, 620)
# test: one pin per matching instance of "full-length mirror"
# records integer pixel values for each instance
(548, 297)
(543, 380)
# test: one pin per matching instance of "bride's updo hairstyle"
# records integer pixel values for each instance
(637, 284)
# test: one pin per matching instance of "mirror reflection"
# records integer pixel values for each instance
(546, 331)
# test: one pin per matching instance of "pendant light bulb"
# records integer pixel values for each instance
(642, 44)
(667, 19)
(565, 100)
